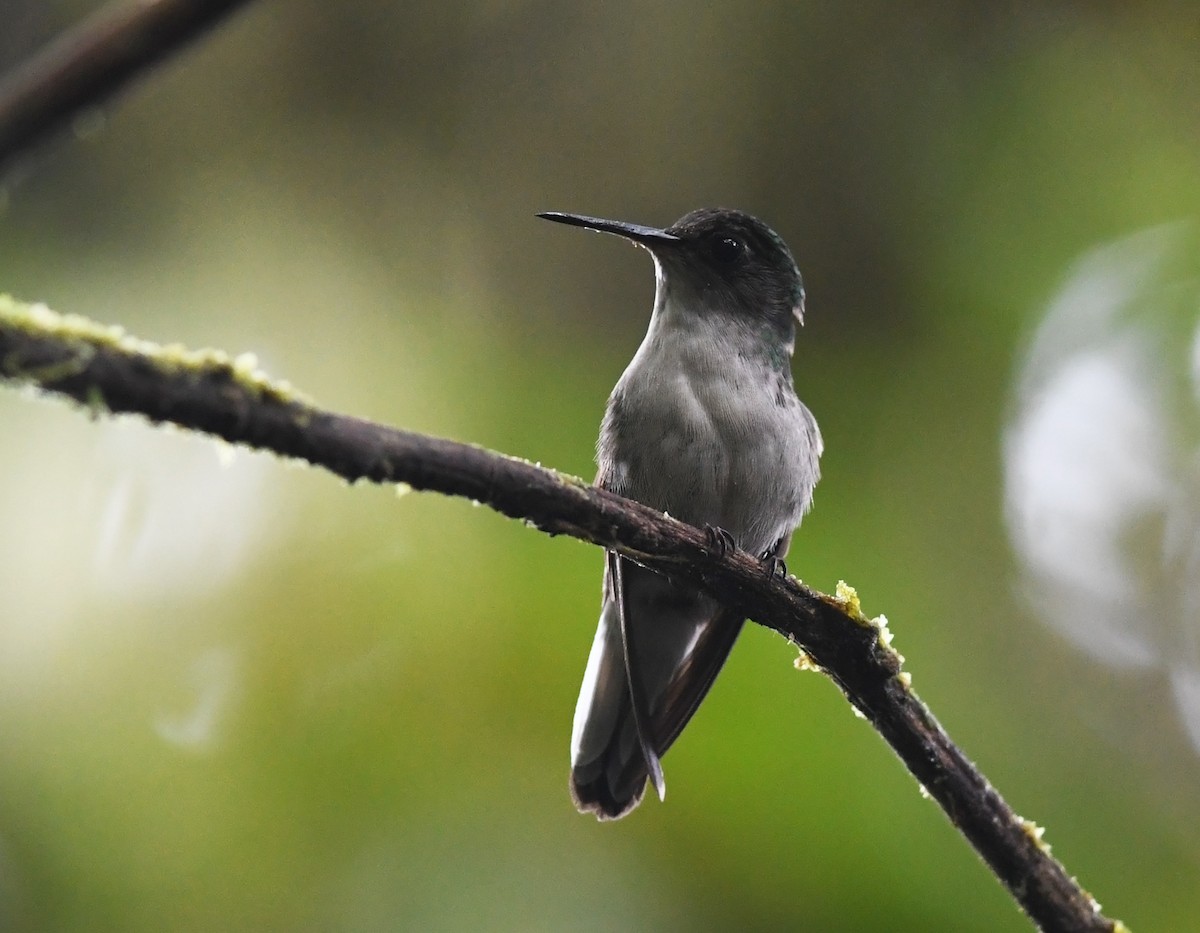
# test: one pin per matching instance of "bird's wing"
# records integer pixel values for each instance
(668, 642)
(639, 697)
(677, 640)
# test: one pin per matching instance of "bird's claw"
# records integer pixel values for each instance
(719, 540)
(775, 567)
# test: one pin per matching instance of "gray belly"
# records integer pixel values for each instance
(747, 466)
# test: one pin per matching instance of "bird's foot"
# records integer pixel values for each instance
(774, 567)
(719, 540)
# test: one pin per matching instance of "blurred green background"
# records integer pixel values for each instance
(238, 695)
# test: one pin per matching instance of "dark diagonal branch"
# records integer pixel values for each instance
(108, 372)
(87, 65)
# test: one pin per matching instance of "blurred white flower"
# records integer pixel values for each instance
(1102, 460)
(122, 526)
(172, 513)
(212, 680)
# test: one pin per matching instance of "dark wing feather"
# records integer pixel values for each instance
(671, 644)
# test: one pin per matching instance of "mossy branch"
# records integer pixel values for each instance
(106, 371)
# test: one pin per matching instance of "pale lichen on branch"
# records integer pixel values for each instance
(82, 337)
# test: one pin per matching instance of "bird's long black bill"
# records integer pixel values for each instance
(635, 232)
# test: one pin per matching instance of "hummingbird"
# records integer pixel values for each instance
(705, 425)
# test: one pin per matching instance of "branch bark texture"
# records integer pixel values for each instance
(106, 371)
(92, 62)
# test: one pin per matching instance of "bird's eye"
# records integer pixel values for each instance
(727, 249)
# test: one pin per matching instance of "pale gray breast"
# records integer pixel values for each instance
(711, 442)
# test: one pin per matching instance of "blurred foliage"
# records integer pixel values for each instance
(243, 696)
